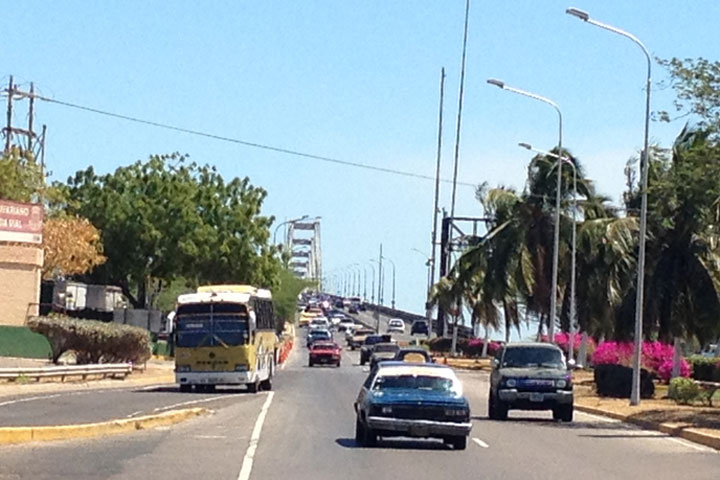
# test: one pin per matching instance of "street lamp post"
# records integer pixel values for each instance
(393, 281)
(556, 243)
(372, 287)
(573, 305)
(285, 223)
(635, 392)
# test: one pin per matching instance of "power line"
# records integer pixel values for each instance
(237, 141)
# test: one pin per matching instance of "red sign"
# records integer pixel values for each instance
(21, 222)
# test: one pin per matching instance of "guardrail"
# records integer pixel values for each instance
(115, 370)
(463, 332)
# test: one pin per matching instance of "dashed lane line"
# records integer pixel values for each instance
(247, 463)
(480, 443)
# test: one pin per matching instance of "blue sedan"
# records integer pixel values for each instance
(412, 400)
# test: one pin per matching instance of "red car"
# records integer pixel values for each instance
(324, 353)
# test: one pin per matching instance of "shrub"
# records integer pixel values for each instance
(93, 341)
(704, 368)
(474, 347)
(684, 390)
(616, 381)
(657, 357)
(562, 340)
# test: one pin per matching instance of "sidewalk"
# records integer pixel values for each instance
(694, 423)
(156, 372)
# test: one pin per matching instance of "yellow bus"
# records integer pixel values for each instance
(225, 335)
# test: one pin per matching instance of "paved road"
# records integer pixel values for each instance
(308, 434)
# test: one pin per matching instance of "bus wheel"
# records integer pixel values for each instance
(185, 388)
(267, 384)
(253, 387)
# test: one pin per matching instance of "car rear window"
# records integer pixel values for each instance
(414, 382)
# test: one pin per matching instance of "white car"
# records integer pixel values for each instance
(345, 324)
(396, 325)
(320, 322)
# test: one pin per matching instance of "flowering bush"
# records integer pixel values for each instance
(475, 347)
(562, 340)
(657, 357)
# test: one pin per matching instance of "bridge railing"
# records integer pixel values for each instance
(105, 370)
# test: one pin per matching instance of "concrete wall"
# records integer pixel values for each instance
(20, 272)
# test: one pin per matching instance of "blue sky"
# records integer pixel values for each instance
(354, 80)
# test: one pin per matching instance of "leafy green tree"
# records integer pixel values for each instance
(21, 178)
(683, 292)
(168, 217)
(285, 296)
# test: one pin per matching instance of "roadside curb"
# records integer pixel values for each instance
(694, 435)
(17, 435)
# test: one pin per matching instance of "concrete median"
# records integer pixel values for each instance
(16, 435)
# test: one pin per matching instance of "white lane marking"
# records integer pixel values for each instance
(134, 413)
(28, 399)
(210, 437)
(254, 440)
(191, 402)
(480, 443)
(639, 431)
(687, 443)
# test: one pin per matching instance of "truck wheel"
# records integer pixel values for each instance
(310, 363)
(459, 442)
(564, 413)
(499, 409)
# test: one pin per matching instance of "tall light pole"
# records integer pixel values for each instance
(573, 305)
(393, 281)
(637, 357)
(428, 264)
(285, 223)
(556, 242)
(372, 287)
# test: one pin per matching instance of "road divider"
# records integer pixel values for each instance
(15, 435)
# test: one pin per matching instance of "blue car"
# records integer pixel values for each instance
(421, 400)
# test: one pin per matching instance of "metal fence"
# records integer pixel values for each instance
(115, 370)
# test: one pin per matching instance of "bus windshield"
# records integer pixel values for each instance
(210, 325)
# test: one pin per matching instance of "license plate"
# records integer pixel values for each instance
(536, 397)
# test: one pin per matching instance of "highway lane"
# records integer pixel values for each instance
(89, 406)
(308, 433)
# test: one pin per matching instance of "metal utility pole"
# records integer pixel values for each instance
(42, 151)
(372, 287)
(380, 279)
(393, 282)
(30, 116)
(8, 127)
(431, 266)
(444, 254)
(460, 104)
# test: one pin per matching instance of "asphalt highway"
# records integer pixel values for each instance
(304, 429)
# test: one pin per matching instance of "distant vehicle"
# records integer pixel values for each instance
(219, 342)
(383, 351)
(346, 302)
(401, 399)
(368, 346)
(306, 318)
(419, 327)
(358, 337)
(413, 355)
(530, 376)
(353, 308)
(318, 335)
(339, 304)
(320, 322)
(344, 324)
(396, 325)
(324, 353)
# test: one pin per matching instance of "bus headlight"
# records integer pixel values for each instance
(241, 368)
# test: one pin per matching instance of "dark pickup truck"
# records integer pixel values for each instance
(530, 376)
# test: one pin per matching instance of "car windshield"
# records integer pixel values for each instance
(533, 357)
(414, 382)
